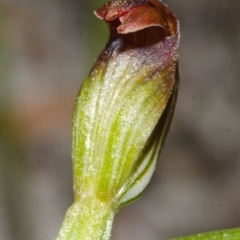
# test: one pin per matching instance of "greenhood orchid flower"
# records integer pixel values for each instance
(122, 114)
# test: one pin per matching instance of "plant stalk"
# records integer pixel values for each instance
(87, 219)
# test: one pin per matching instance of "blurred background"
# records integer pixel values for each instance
(46, 50)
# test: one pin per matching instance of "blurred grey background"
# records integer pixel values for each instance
(46, 50)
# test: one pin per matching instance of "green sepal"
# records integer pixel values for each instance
(147, 161)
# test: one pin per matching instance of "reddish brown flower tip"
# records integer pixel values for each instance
(142, 22)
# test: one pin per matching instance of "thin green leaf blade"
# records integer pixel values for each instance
(229, 234)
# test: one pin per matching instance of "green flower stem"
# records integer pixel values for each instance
(230, 234)
(88, 219)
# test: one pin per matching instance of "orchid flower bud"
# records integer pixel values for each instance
(122, 114)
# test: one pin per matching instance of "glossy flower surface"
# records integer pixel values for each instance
(133, 79)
